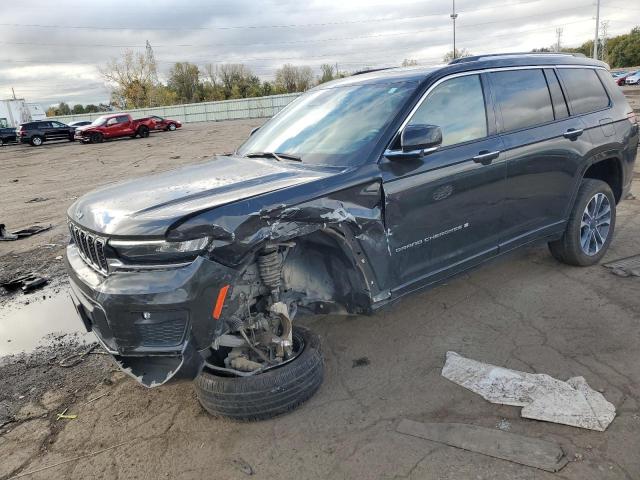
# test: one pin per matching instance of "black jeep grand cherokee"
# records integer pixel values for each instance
(360, 191)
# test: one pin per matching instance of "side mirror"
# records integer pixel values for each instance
(254, 131)
(416, 141)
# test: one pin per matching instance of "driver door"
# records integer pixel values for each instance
(443, 211)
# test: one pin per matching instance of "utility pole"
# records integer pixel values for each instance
(558, 42)
(595, 39)
(454, 15)
(604, 25)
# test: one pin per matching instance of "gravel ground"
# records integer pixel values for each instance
(524, 311)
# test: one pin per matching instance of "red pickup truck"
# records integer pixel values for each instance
(114, 126)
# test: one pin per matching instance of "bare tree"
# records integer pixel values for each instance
(291, 78)
(463, 52)
(327, 72)
(133, 79)
(408, 62)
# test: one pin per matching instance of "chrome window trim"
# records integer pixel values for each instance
(478, 72)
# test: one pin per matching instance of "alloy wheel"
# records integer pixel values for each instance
(595, 224)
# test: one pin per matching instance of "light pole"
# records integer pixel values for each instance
(454, 15)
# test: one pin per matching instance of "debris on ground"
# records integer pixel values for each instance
(75, 358)
(542, 397)
(27, 283)
(360, 362)
(23, 233)
(515, 448)
(65, 416)
(37, 200)
(625, 267)
(243, 466)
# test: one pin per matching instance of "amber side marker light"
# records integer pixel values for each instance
(222, 295)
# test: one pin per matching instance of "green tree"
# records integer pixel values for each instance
(91, 108)
(184, 79)
(624, 50)
(328, 72)
(77, 109)
(63, 109)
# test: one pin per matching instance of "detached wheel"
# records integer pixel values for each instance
(590, 228)
(268, 394)
(171, 127)
(36, 140)
(143, 131)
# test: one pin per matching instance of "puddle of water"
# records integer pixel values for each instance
(23, 327)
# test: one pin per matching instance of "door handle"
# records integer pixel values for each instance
(573, 133)
(485, 157)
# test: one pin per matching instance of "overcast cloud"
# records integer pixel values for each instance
(52, 50)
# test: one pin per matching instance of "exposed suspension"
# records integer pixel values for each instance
(270, 265)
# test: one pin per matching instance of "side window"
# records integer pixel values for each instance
(559, 103)
(44, 125)
(457, 107)
(122, 119)
(523, 98)
(586, 92)
(58, 124)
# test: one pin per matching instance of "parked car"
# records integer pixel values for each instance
(361, 191)
(620, 80)
(633, 79)
(165, 123)
(114, 126)
(7, 135)
(80, 123)
(36, 133)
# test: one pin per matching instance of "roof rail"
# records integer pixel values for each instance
(360, 72)
(475, 58)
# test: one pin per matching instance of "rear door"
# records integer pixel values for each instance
(46, 130)
(544, 148)
(442, 211)
(60, 130)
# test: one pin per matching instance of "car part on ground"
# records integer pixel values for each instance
(277, 389)
(326, 210)
(542, 397)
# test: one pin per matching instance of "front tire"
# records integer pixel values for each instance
(590, 228)
(96, 138)
(171, 127)
(265, 395)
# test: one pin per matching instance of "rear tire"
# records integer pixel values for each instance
(36, 141)
(143, 131)
(267, 394)
(576, 246)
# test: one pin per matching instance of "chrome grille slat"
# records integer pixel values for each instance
(90, 247)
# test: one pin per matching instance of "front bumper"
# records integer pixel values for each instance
(153, 322)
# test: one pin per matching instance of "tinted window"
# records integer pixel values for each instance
(523, 98)
(559, 103)
(457, 107)
(58, 124)
(44, 125)
(122, 119)
(585, 90)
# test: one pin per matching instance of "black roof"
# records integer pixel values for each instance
(477, 62)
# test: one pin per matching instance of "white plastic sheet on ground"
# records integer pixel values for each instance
(542, 397)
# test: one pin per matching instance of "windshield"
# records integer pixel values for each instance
(99, 121)
(334, 126)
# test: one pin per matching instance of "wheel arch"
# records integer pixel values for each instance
(609, 169)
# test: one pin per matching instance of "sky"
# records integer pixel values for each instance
(52, 51)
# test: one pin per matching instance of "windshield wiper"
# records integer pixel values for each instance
(277, 155)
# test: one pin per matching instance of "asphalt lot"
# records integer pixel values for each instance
(524, 311)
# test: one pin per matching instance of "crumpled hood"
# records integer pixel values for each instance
(153, 203)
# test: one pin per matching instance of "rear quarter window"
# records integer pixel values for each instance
(585, 90)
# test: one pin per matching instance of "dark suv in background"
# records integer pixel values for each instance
(36, 133)
(359, 192)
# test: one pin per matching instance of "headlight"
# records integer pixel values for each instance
(147, 251)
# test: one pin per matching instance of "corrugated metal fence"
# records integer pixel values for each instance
(258, 107)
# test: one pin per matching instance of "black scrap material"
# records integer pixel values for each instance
(37, 199)
(27, 283)
(4, 235)
(25, 232)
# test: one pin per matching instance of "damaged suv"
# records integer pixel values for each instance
(360, 191)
